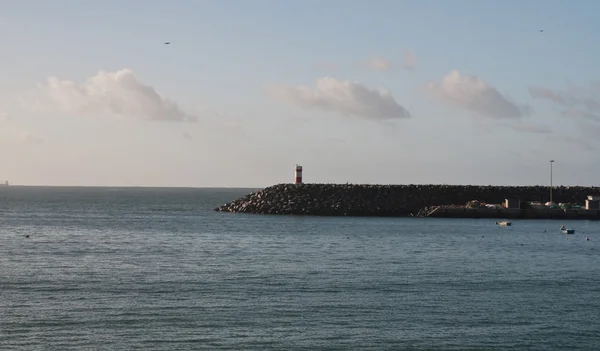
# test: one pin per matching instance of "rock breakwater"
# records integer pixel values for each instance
(388, 200)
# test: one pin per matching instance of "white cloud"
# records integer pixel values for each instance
(409, 60)
(380, 64)
(574, 102)
(4, 116)
(343, 97)
(117, 93)
(470, 93)
(29, 138)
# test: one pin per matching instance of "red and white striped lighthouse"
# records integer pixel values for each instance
(298, 179)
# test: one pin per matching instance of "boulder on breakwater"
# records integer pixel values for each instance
(388, 200)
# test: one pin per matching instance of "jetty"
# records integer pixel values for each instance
(427, 201)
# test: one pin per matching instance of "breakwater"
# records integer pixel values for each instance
(388, 200)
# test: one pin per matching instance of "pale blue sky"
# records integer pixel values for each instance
(235, 66)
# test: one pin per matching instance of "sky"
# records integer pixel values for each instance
(381, 92)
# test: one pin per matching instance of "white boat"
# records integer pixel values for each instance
(504, 223)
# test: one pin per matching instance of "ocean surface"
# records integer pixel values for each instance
(156, 269)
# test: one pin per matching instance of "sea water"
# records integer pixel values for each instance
(156, 269)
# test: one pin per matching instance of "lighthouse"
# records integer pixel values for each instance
(298, 175)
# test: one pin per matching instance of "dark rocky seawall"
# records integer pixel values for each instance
(388, 200)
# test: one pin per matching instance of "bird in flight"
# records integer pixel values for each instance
(541, 30)
(167, 42)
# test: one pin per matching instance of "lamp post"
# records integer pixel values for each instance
(551, 162)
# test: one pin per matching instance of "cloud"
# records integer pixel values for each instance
(470, 93)
(409, 60)
(327, 66)
(118, 93)
(514, 153)
(575, 102)
(334, 141)
(531, 128)
(577, 112)
(543, 93)
(343, 97)
(380, 64)
(576, 141)
(28, 138)
(589, 134)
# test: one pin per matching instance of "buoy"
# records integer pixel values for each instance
(587, 238)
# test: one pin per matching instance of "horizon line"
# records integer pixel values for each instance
(286, 183)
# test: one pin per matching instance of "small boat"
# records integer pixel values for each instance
(564, 230)
(504, 223)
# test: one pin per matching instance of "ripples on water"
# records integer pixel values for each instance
(155, 269)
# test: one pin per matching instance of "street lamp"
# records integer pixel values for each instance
(551, 162)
